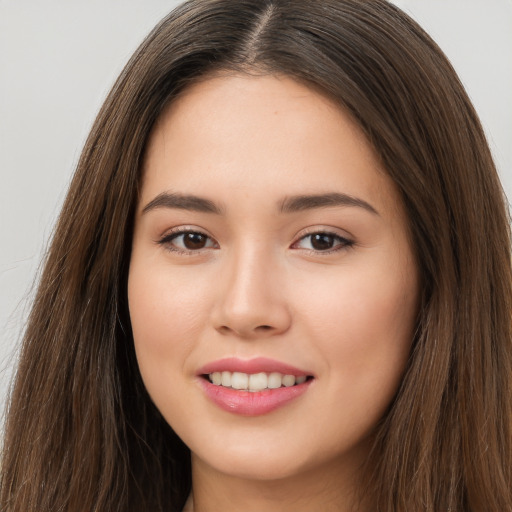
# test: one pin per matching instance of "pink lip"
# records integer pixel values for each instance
(255, 365)
(248, 403)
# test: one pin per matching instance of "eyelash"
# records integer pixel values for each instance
(167, 242)
(342, 242)
(168, 239)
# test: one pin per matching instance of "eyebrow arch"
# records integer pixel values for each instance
(309, 202)
(182, 202)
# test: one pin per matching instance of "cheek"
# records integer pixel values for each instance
(164, 310)
(361, 307)
(166, 315)
(363, 327)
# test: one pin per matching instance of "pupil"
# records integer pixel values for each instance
(194, 241)
(322, 241)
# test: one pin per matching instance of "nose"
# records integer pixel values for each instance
(252, 299)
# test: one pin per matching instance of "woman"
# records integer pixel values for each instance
(280, 280)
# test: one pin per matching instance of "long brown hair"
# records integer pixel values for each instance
(82, 433)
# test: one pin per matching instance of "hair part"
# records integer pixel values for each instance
(82, 432)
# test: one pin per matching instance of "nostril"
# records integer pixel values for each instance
(247, 331)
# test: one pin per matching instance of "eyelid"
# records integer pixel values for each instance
(345, 242)
(169, 235)
(324, 228)
(346, 239)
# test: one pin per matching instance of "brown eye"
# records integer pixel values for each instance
(194, 241)
(188, 241)
(322, 242)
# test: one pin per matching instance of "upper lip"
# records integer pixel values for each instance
(255, 365)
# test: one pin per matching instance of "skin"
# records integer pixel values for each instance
(259, 286)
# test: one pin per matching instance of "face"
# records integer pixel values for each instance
(272, 287)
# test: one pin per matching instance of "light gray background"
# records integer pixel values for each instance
(58, 60)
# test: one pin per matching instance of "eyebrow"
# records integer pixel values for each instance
(308, 202)
(288, 205)
(182, 202)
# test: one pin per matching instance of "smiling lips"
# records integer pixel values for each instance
(252, 387)
(255, 381)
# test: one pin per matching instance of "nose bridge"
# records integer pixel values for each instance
(252, 302)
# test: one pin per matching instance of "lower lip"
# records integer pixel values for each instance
(252, 403)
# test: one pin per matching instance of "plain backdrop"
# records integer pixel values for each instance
(58, 60)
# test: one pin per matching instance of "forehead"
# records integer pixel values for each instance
(267, 133)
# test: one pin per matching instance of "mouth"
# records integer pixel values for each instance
(255, 382)
(253, 387)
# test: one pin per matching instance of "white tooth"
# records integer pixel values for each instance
(216, 378)
(257, 381)
(300, 380)
(226, 379)
(288, 380)
(239, 380)
(274, 380)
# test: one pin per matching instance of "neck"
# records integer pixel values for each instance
(328, 489)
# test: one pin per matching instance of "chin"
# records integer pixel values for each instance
(261, 467)
(275, 459)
